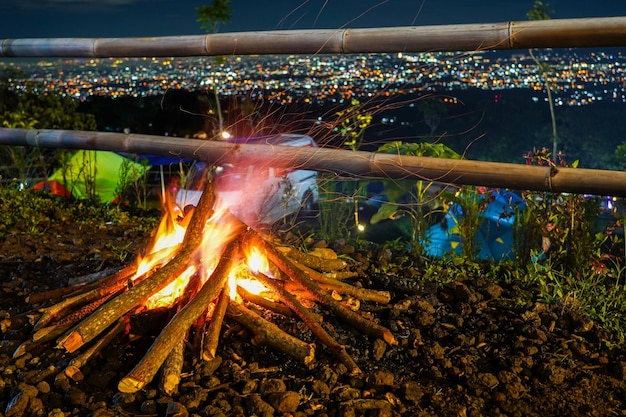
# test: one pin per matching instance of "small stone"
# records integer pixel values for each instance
(56, 412)
(61, 382)
(176, 409)
(148, 407)
(493, 291)
(123, 398)
(28, 389)
(380, 378)
(320, 389)
(345, 393)
(284, 402)
(35, 407)
(20, 362)
(249, 386)
(17, 405)
(75, 396)
(465, 294)
(328, 375)
(270, 385)
(43, 387)
(103, 412)
(378, 349)
(487, 379)
(256, 405)
(412, 392)
(212, 411)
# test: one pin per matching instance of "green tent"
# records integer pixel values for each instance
(107, 172)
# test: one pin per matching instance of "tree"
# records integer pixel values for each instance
(210, 18)
(433, 109)
(541, 11)
(30, 109)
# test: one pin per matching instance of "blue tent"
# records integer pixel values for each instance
(494, 239)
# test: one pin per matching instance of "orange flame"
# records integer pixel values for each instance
(168, 238)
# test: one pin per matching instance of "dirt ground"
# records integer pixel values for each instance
(469, 348)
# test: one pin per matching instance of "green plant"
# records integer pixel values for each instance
(120, 252)
(353, 123)
(133, 179)
(419, 199)
(470, 203)
(338, 210)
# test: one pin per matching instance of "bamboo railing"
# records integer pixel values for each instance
(359, 163)
(555, 33)
(598, 32)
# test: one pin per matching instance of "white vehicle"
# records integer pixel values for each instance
(256, 193)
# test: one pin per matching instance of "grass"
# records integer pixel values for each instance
(33, 212)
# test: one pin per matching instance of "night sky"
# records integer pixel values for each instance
(121, 18)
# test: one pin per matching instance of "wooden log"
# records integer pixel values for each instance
(108, 313)
(99, 276)
(311, 322)
(327, 281)
(212, 338)
(264, 302)
(89, 302)
(321, 296)
(312, 261)
(173, 364)
(73, 369)
(172, 368)
(145, 370)
(362, 294)
(359, 163)
(84, 284)
(267, 333)
(51, 295)
(555, 33)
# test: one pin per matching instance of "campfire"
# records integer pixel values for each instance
(203, 267)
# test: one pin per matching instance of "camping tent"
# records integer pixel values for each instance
(493, 240)
(107, 172)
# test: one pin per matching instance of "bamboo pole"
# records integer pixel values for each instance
(359, 163)
(555, 33)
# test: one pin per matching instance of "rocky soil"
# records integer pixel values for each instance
(468, 348)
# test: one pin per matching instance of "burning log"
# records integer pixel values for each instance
(199, 282)
(146, 369)
(264, 302)
(320, 295)
(94, 324)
